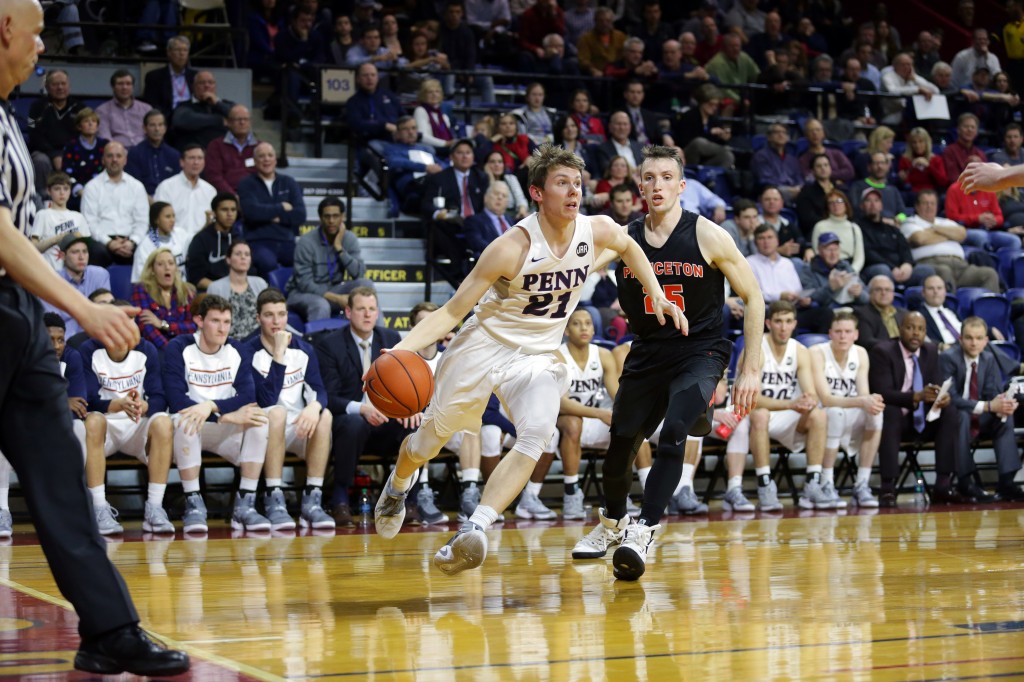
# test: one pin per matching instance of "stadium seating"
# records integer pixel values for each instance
(121, 281)
(279, 278)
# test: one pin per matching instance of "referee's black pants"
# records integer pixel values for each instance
(37, 438)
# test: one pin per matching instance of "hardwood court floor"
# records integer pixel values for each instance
(936, 595)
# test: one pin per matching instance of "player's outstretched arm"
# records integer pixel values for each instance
(990, 177)
(114, 327)
(502, 258)
(609, 235)
(720, 250)
(608, 255)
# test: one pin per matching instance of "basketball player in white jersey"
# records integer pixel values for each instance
(129, 415)
(525, 285)
(787, 412)
(585, 412)
(854, 413)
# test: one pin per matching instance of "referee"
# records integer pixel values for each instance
(35, 425)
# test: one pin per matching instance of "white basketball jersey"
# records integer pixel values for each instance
(586, 385)
(295, 392)
(842, 381)
(531, 310)
(778, 377)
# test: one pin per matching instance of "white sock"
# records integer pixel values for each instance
(828, 475)
(156, 494)
(863, 476)
(814, 468)
(735, 482)
(642, 475)
(470, 475)
(687, 479)
(315, 481)
(3, 497)
(571, 479)
(534, 488)
(248, 484)
(273, 483)
(399, 484)
(483, 517)
(765, 471)
(190, 486)
(99, 496)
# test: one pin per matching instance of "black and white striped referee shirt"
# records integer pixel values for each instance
(17, 181)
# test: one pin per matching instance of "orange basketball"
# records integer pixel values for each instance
(400, 384)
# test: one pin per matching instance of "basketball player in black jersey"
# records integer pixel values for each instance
(671, 376)
(35, 424)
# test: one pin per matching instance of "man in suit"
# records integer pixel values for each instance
(449, 198)
(879, 319)
(905, 372)
(201, 119)
(345, 356)
(489, 224)
(619, 143)
(166, 88)
(982, 410)
(648, 127)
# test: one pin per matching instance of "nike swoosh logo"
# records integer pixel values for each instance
(216, 259)
(537, 260)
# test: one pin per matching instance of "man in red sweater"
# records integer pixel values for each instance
(957, 155)
(978, 209)
(229, 158)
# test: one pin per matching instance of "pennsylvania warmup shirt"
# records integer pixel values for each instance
(192, 376)
(106, 380)
(292, 385)
(778, 377)
(586, 385)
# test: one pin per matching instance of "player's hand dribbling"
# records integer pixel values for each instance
(112, 326)
(745, 392)
(664, 307)
(412, 422)
(984, 177)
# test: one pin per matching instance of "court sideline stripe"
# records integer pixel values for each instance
(227, 663)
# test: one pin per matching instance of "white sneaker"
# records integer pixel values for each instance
(813, 496)
(829, 490)
(631, 508)
(467, 549)
(595, 544)
(530, 507)
(735, 500)
(630, 559)
(390, 510)
(155, 520)
(862, 496)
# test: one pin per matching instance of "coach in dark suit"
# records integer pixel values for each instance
(905, 372)
(163, 84)
(981, 410)
(358, 425)
(484, 227)
(449, 199)
(870, 320)
(619, 131)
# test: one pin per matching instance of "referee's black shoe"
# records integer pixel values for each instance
(702, 426)
(129, 649)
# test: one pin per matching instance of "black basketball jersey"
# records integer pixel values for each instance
(689, 281)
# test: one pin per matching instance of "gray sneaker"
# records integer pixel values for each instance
(155, 520)
(830, 491)
(572, 506)
(468, 502)
(312, 514)
(813, 496)
(390, 510)
(686, 502)
(277, 512)
(194, 518)
(735, 500)
(245, 517)
(768, 497)
(530, 507)
(6, 523)
(429, 513)
(105, 516)
(862, 497)
(467, 549)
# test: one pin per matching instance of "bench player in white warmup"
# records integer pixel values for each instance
(525, 285)
(854, 413)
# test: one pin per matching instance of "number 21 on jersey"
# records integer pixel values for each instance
(673, 292)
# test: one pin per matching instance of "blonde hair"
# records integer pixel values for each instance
(182, 289)
(918, 134)
(430, 82)
(879, 135)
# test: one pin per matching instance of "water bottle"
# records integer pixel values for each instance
(365, 511)
(919, 499)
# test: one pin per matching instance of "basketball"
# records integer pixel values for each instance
(400, 384)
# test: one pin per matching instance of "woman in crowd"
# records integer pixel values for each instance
(918, 167)
(590, 125)
(240, 289)
(495, 169)
(162, 232)
(514, 146)
(389, 34)
(617, 174)
(433, 124)
(164, 298)
(534, 118)
(840, 221)
(343, 39)
(567, 136)
(880, 140)
(421, 58)
(704, 135)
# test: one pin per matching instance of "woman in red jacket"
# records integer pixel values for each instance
(919, 168)
(515, 147)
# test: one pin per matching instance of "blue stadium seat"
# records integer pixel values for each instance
(1014, 293)
(1010, 349)
(737, 348)
(279, 278)
(812, 339)
(899, 300)
(1017, 271)
(296, 323)
(965, 297)
(913, 297)
(325, 324)
(716, 180)
(995, 310)
(851, 147)
(1006, 256)
(790, 215)
(121, 281)
(758, 142)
